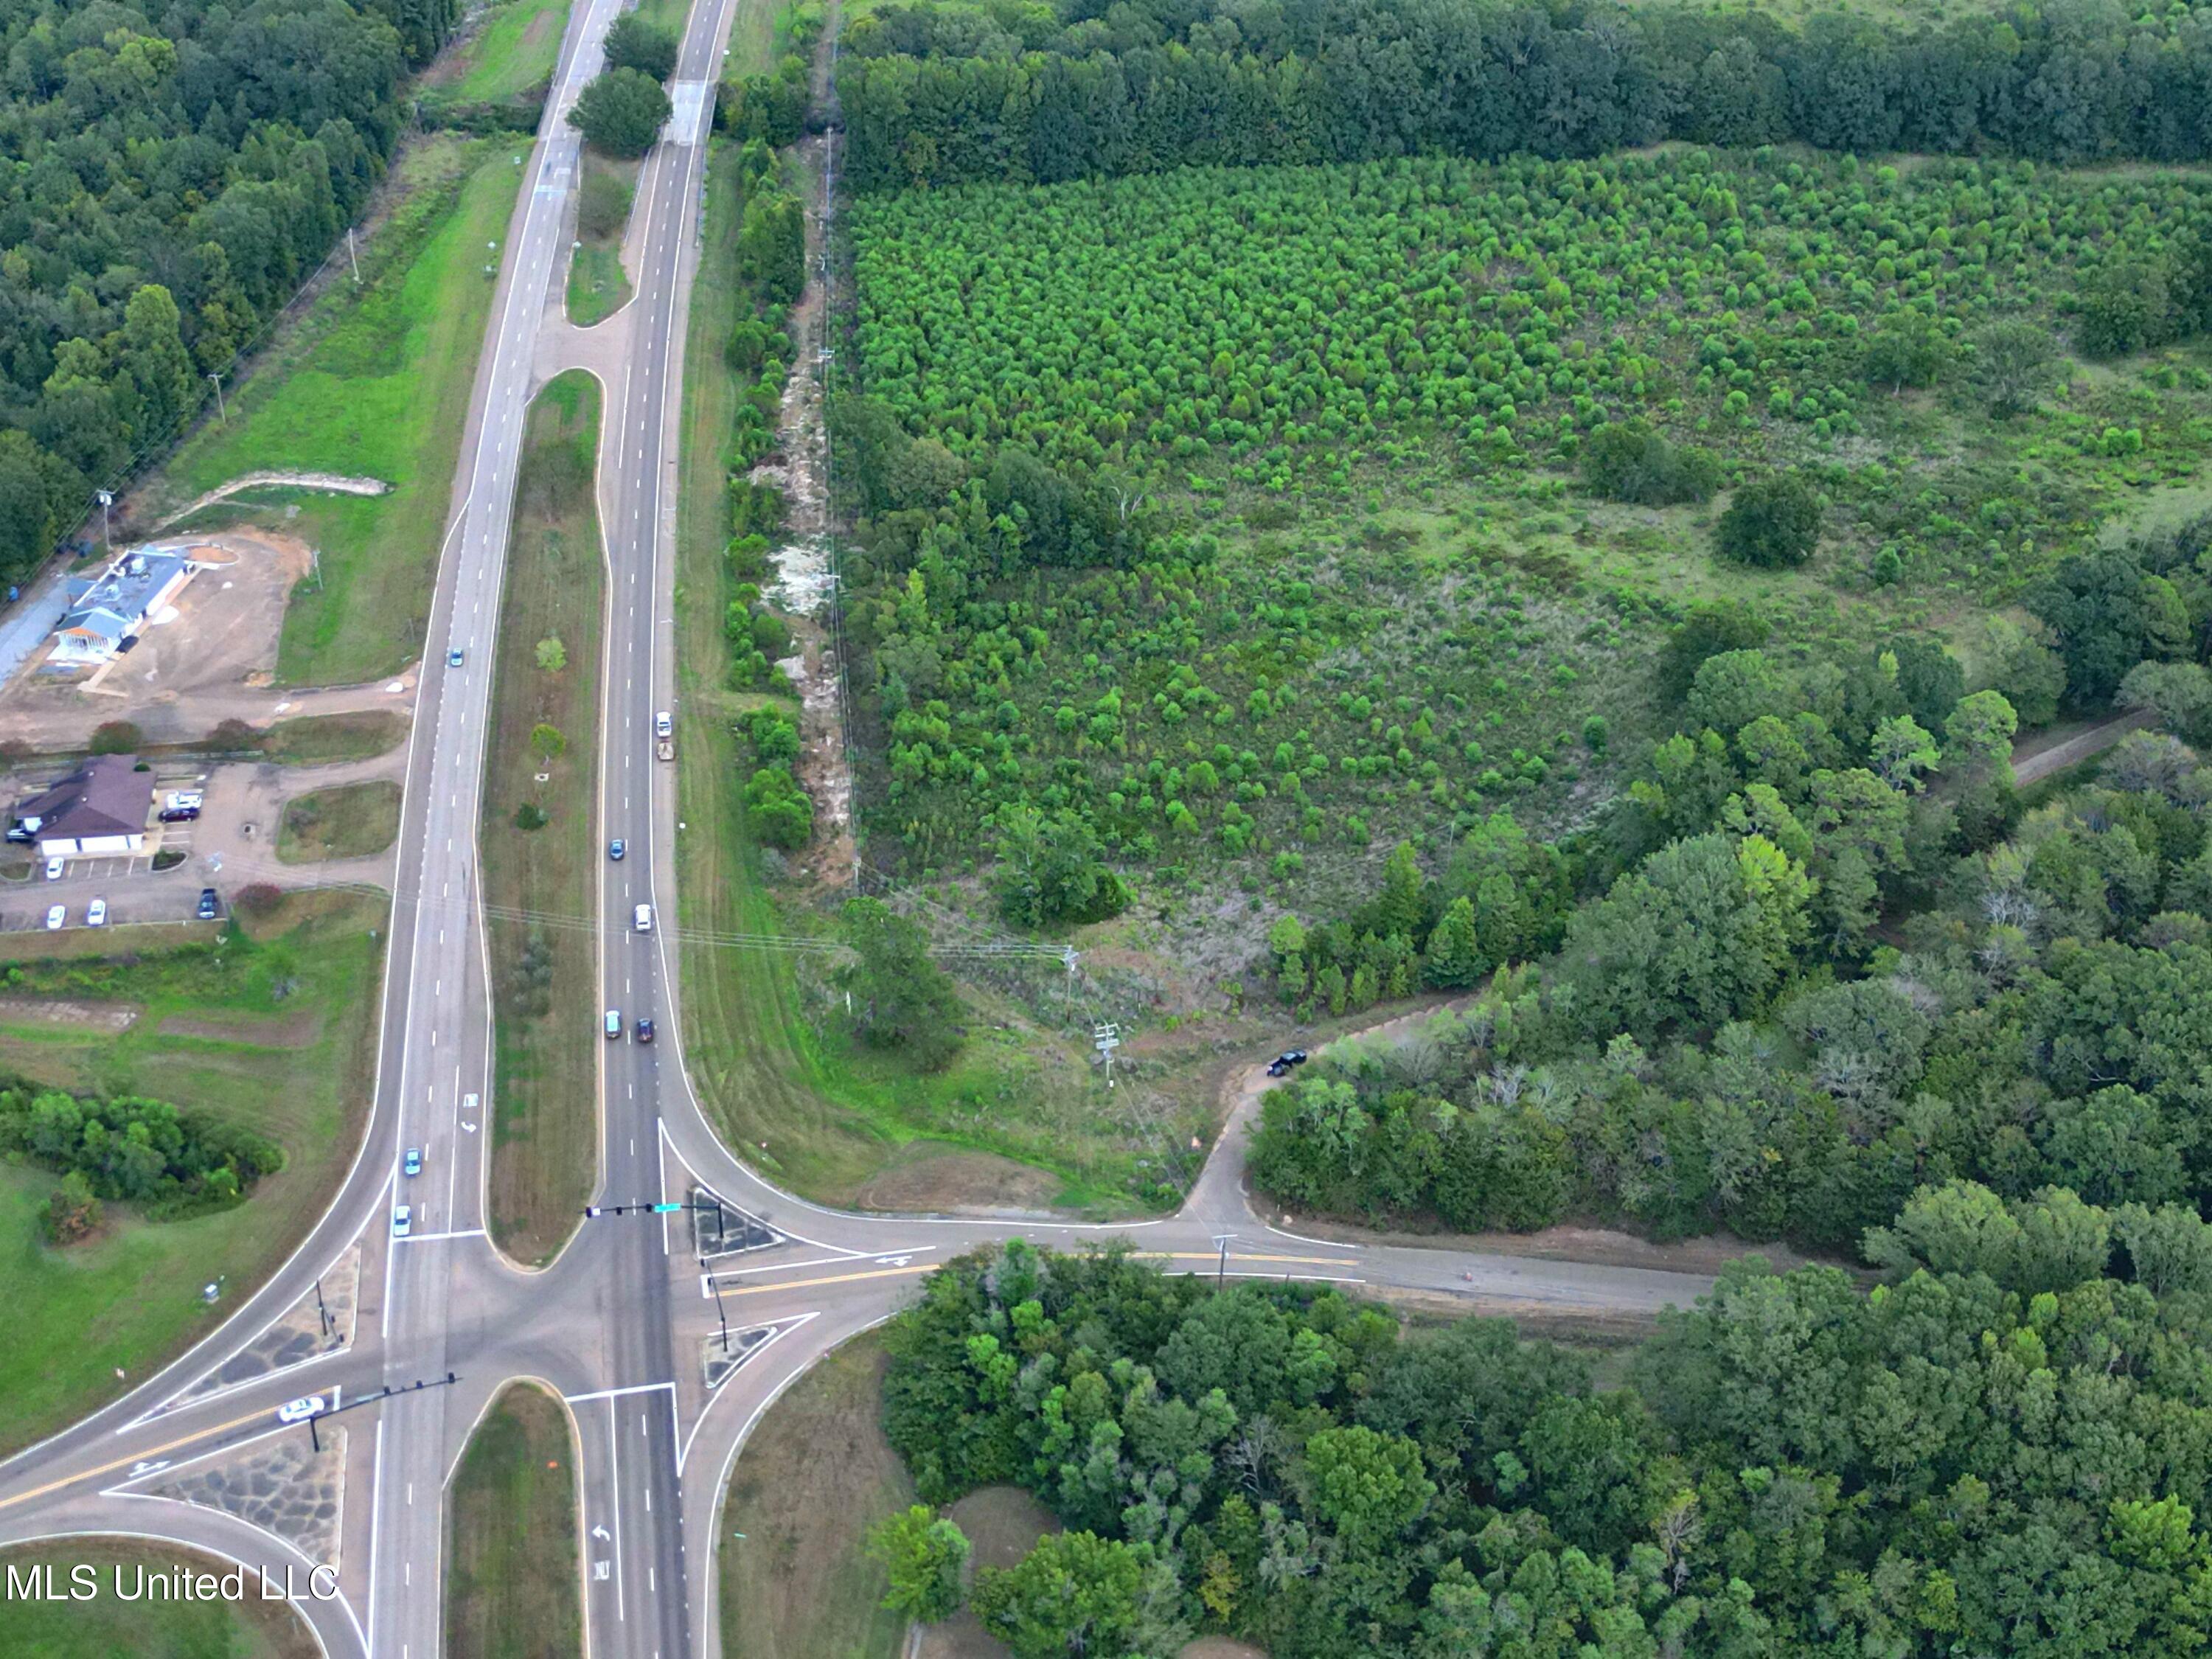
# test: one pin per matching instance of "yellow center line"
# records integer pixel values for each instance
(834, 1279)
(136, 1457)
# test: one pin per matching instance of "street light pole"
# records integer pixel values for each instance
(720, 1314)
(106, 500)
(1221, 1266)
(219, 416)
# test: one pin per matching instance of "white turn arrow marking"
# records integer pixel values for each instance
(599, 1532)
(470, 1127)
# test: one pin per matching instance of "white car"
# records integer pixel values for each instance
(663, 727)
(54, 867)
(644, 918)
(95, 914)
(403, 1220)
(56, 915)
(300, 1410)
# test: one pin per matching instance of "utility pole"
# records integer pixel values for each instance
(1106, 1039)
(320, 1308)
(219, 415)
(353, 257)
(106, 500)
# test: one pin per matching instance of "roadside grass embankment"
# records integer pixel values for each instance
(350, 821)
(515, 53)
(106, 1626)
(513, 1571)
(540, 838)
(816, 1475)
(270, 1024)
(372, 380)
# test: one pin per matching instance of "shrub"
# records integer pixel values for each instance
(116, 738)
(602, 206)
(531, 816)
(1630, 462)
(1773, 522)
(258, 898)
(621, 112)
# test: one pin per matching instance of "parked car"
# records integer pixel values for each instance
(644, 918)
(300, 1410)
(184, 800)
(614, 1024)
(617, 848)
(403, 1220)
(208, 904)
(1281, 1064)
(663, 724)
(178, 814)
(56, 915)
(644, 1030)
(412, 1163)
(54, 868)
(95, 914)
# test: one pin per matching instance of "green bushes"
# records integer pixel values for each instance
(1772, 523)
(635, 42)
(621, 112)
(779, 812)
(137, 1151)
(1630, 462)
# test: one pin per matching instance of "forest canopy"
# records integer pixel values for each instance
(173, 173)
(939, 95)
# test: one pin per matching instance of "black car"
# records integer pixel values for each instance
(1294, 1056)
(1279, 1068)
(178, 814)
(208, 904)
(644, 1030)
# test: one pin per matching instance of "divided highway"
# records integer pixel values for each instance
(626, 1323)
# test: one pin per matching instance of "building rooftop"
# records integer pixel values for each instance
(112, 602)
(104, 797)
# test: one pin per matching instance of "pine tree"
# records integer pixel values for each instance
(1455, 959)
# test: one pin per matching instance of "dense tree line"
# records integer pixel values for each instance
(172, 171)
(939, 93)
(2004, 1452)
(141, 1151)
(1723, 1038)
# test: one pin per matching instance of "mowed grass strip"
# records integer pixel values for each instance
(515, 1577)
(107, 1626)
(814, 1477)
(516, 50)
(545, 1124)
(274, 1027)
(350, 821)
(375, 380)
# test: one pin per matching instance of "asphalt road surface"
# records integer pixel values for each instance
(668, 1333)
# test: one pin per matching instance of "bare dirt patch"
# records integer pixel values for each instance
(113, 1017)
(185, 674)
(1004, 1523)
(960, 1183)
(301, 1030)
(1222, 1647)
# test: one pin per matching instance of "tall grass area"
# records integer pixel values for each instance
(104, 1628)
(513, 1570)
(375, 380)
(540, 841)
(275, 1027)
(816, 1475)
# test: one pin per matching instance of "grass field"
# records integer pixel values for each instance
(544, 1140)
(106, 1627)
(351, 821)
(511, 1539)
(514, 51)
(374, 379)
(321, 739)
(278, 1029)
(598, 285)
(816, 1475)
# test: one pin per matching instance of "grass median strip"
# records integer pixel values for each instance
(274, 1027)
(598, 285)
(510, 1538)
(540, 831)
